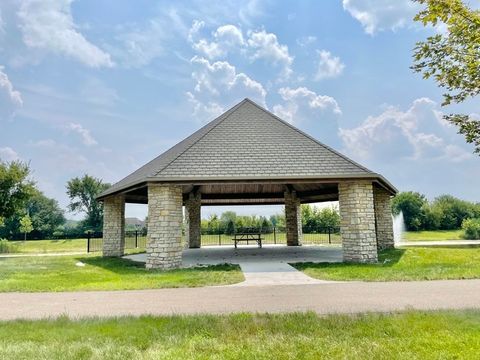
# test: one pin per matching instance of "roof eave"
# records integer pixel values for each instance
(374, 176)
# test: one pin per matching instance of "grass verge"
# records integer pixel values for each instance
(436, 235)
(62, 273)
(403, 265)
(411, 335)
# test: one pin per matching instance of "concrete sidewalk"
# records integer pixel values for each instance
(347, 297)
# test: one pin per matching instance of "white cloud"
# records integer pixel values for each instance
(329, 66)
(381, 15)
(266, 46)
(8, 154)
(49, 25)
(142, 44)
(302, 98)
(10, 99)
(306, 40)
(417, 133)
(197, 25)
(84, 134)
(218, 84)
(226, 38)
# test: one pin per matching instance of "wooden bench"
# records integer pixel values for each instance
(257, 237)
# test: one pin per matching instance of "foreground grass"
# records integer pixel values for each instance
(433, 235)
(411, 335)
(403, 265)
(61, 273)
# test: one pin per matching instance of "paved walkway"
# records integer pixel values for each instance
(347, 297)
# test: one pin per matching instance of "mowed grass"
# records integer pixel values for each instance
(404, 265)
(64, 246)
(433, 235)
(61, 273)
(51, 246)
(410, 335)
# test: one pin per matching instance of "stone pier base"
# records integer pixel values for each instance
(357, 224)
(383, 217)
(293, 219)
(165, 217)
(192, 221)
(114, 225)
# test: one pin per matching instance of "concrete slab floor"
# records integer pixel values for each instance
(261, 267)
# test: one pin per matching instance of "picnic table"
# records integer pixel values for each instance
(248, 236)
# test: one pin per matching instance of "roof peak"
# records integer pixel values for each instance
(245, 141)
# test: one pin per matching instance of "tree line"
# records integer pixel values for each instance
(314, 220)
(445, 212)
(25, 210)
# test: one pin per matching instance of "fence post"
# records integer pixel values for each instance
(219, 238)
(274, 235)
(88, 242)
(136, 239)
(329, 235)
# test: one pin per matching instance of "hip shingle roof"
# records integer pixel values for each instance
(246, 142)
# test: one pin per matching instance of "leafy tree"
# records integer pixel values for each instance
(15, 188)
(45, 213)
(82, 193)
(225, 218)
(452, 211)
(26, 225)
(452, 58)
(329, 218)
(230, 228)
(412, 205)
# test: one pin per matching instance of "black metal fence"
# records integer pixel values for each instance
(133, 240)
(327, 236)
(138, 239)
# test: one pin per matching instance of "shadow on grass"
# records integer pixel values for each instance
(386, 258)
(127, 266)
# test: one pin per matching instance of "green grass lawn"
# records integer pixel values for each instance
(433, 235)
(404, 265)
(60, 273)
(51, 246)
(410, 335)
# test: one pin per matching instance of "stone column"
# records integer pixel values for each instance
(383, 217)
(165, 217)
(293, 218)
(357, 224)
(114, 225)
(192, 220)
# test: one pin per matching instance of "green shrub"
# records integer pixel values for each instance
(7, 247)
(471, 229)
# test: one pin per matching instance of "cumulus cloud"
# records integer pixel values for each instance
(219, 83)
(85, 136)
(265, 46)
(417, 133)
(329, 66)
(302, 98)
(225, 39)
(10, 99)
(8, 154)
(49, 25)
(382, 15)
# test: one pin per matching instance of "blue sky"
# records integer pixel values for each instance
(101, 87)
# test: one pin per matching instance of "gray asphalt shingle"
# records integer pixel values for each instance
(245, 141)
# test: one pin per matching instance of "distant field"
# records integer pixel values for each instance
(433, 235)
